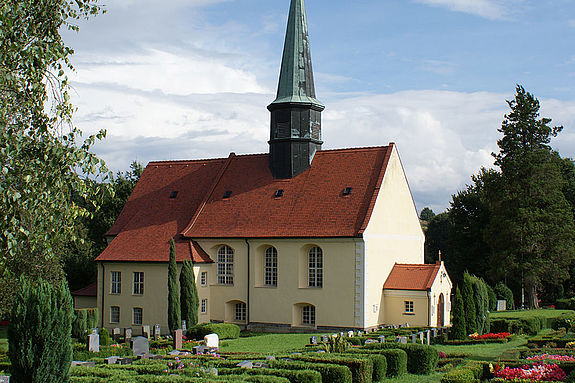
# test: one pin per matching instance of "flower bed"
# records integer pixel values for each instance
(562, 358)
(537, 372)
(499, 335)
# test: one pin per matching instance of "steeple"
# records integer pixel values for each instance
(295, 133)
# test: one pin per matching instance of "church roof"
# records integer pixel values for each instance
(412, 277)
(238, 197)
(88, 291)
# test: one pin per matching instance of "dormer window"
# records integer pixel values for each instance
(227, 194)
(173, 194)
(347, 191)
(279, 193)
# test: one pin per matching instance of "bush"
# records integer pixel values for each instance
(80, 324)
(337, 344)
(224, 331)
(91, 318)
(504, 293)
(469, 304)
(530, 326)
(294, 376)
(105, 338)
(459, 329)
(330, 373)
(564, 321)
(421, 359)
(361, 368)
(396, 359)
(40, 346)
(565, 304)
(471, 372)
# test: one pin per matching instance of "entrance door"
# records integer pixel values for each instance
(440, 311)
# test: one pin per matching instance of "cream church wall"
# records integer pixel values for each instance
(393, 235)
(441, 285)
(395, 307)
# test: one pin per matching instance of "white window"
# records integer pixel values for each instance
(240, 312)
(315, 267)
(225, 265)
(308, 315)
(204, 306)
(138, 315)
(116, 279)
(271, 267)
(138, 283)
(204, 278)
(409, 307)
(114, 314)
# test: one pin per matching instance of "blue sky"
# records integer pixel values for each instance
(185, 79)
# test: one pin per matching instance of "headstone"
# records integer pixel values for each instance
(151, 356)
(434, 331)
(420, 336)
(156, 331)
(406, 324)
(212, 340)
(350, 334)
(184, 326)
(313, 340)
(427, 337)
(140, 345)
(403, 339)
(127, 334)
(83, 364)
(245, 364)
(261, 365)
(146, 331)
(368, 341)
(94, 343)
(125, 361)
(111, 359)
(178, 339)
(199, 350)
(381, 338)
(94, 331)
(4, 379)
(501, 305)
(116, 333)
(324, 338)
(270, 357)
(395, 327)
(359, 333)
(413, 338)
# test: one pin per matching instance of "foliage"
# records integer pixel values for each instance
(481, 297)
(396, 362)
(470, 372)
(492, 298)
(80, 324)
(42, 158)
(469, 304)
(361, 368)
(330, 373)
(504, 293)
(437, 238)
(174, 311)
(335, 344)
(189, 294)
(295, 376)
(224, 330)
(426, 214)
(105, 338)
(40, 347)
(459, 328)
(421, 359)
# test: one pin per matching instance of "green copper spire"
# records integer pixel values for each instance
(296, 77)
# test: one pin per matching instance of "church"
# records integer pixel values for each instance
(297, 239)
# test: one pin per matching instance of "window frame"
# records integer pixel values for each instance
(240, 312)
(203, 278)
(409, 307)
(308, 315)
(112, 314)
(115, 282)
(141, 314)
(204, 306)
(271, 267)
(315, 267)
(225, 266)
(138, 283)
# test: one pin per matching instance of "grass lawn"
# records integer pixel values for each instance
(409, 378)
(524, 314)
(3, 339)
(490, 351)
(267, 344)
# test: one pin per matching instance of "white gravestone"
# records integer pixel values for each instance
(501, 305)
(212, 341)
(94, 343)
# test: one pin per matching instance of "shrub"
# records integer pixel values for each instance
(105, 338)
(396, 359)
(189, 294)
(40, 346)
(80, 324)
(330, 373)
(91, 318)
(421, 359)
(471, 372)
(565, 304)
(481, 298)
(492, 298)
(294, 376)
(503, 292)
(224, 330)
(469, 303)
(564, 321)
(459, 329)
(361, 368)
(174, 311)
(337, 344)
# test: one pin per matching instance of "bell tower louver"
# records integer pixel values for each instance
(295, 133)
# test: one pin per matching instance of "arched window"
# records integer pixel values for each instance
(308, 315)
(271, 267)
(225, 265)
(315, 267)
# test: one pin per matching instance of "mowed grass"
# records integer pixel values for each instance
(267, 344)
(525, 314)
(3, 339)
(409, 378)
(490, 351)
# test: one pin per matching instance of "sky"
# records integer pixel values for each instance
(191, 79)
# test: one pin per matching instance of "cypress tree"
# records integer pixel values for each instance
(189, 294)
(458, 330)
(39, 336)
(174, 319)
(469, 304)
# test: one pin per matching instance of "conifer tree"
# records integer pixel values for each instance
(189, 294)
(458, 329)
(174, 319)
(39, 336)
(469, 304)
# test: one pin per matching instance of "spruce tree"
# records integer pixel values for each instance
(173, 291)
(469, 304)
(189, 294)
(39, 336)
(458, 329)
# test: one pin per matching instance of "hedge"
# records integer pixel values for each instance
(471, 372)
(530, 326)
(361, 369)
(224, 330)
(396, 359)
(330, 373)
(379, 363)
(565, 304)
(421, 359)
(294, 376)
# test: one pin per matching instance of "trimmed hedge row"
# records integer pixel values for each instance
(224, 330)
(471, 372)
(530, 326)
(396, 359)
(294, 376)
(421, 359)
(361, 369)
(84, 319)
(330, 373)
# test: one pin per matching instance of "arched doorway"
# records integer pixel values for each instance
(440, 311)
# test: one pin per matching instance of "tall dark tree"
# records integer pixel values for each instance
(437, 238)
(532, 230)
(174, 311)
(458, 329)
(189, 294)
(469, 304)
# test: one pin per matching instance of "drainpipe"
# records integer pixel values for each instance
(248, 295)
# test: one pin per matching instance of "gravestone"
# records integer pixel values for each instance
(381, 338)
(368, 341)
(146, 331)
(350, 334)
(94, 343)
(112, 359)
(324, 338)
(434, 331)
(403, 339)
(4, 379)
(178, 339)
(427, 337)
(212, 341)
(395, 327)
(184, 326)
(313, 340)
(156, 331)
(140, 345)
(413, 338)
(270, 357)
(125, 360)
(420, 336)
(359, 333)
(127, 334)
(245, 364)
(116, 333)
(501, 305)
(84, 364)
(199, 350)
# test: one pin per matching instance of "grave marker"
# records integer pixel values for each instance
(146, 331)
(116, 333)
(381, 338)
(94, 343)
(140, 345)
(156, 331)
(178, 339)
(127, 334)
(501, 305)
(313, 340)
(212, 341)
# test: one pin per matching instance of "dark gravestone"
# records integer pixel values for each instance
(116, 333)
(184, 326)
(140, 345)
(112, 359)
(313, 340)
(125, 361)
(83, 364)
(178, 339)
(127, 334)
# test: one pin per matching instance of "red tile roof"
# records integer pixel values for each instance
(411, 277)
(312, 205)
(88, 291)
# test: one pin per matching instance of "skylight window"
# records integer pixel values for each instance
(227, 194)
(279, 193)
(347, 191)
(173, 194)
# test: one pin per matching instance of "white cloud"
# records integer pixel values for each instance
(491, 9)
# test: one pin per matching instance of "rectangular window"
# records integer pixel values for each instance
(114, 314)
(138, 316)
(204, 278)
(240, 312)
(409, 307)
(271, 267)
(204, 306)
(116, 279)
(225, 265)
(308, 315)
(315, 267)
(138, 283)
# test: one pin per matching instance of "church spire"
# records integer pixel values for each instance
(295, 133)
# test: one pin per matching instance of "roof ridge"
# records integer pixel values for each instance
(358, 149)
